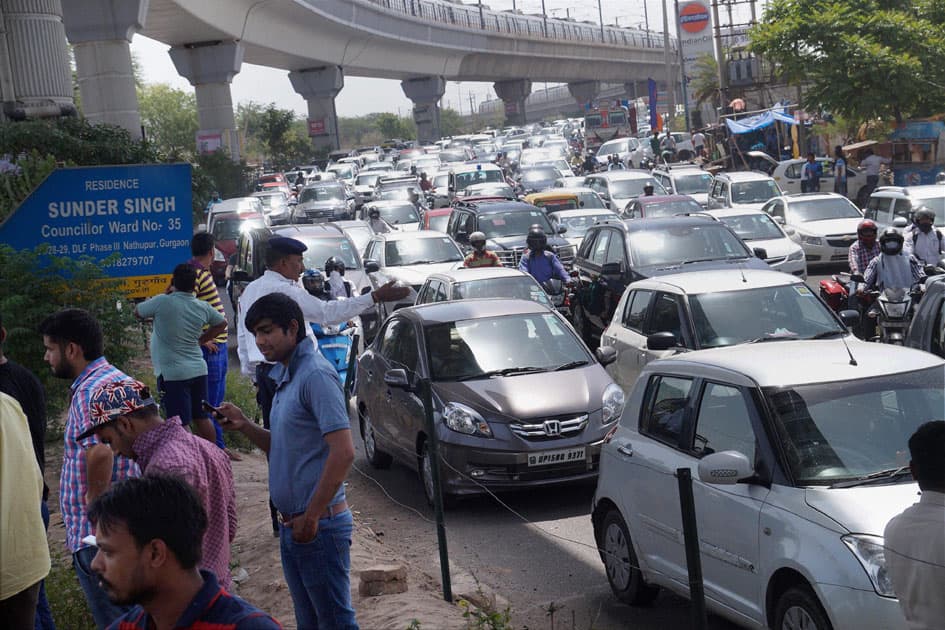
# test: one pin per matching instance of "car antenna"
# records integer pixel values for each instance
(852, 360)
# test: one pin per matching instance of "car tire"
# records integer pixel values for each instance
(621, 564)
(424, 466)
(375, 456)
(580, 326)
(798, 609)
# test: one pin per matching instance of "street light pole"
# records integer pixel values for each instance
(670, 83)
(544, 18)
(482, 20)
(600, 15)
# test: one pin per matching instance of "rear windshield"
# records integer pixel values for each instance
(686, 244)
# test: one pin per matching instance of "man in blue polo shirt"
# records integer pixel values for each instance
(310, 452)
(148, 532)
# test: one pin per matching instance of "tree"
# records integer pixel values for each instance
(705, 80)
(452, 123)
(862, 59)
(393, 126)
(169, 117)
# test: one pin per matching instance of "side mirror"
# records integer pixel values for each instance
(790, 231)
(371, 266)
(900, 222)
(239, 275)
(661, 341)
(606, 355)
(398, 379)
(462, 237)
(612, 269)
(725, 468)
(850, 318)
(561, 229)
(760, 252)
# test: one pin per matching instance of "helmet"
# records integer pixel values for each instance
(374, 213)
(536, 239)
(477, 237)
(865, 226)
(940, 178)
(313, 280)
(924, 212)
(334, 264)
(648, 187)
(891, 241)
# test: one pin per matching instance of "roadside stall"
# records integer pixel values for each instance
(767, 130)
(918, 153)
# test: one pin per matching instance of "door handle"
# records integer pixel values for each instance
(625, 449)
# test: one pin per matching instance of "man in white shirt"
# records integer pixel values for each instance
(698, 143)
(915, 539)
(922, 240)
(871, 164)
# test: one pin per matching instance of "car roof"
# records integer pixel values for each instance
(389, 203)
(352, 223)
(662, 223)
(444, 312)
(575, 189)
(661, 198)
(478, 273)
(814, 196)
(790, 362)
(711, 281)
(499, 205)
(621, 175)
(309, 230)
(676, 168)
(406, 236)
(722, 213)
(584, 212)
(743, 176)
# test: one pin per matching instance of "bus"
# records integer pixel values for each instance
(604, 123)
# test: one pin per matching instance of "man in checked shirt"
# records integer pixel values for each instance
(125, 417)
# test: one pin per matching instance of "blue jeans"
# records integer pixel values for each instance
(44, 620)
(103, 611)
(183, 398)
(217, 363)
(318, 574)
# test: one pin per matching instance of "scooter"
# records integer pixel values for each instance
(335, 344)
(836, 292)
(559, 294)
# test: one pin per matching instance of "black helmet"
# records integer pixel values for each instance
(334, 264)
(313, 281)
(374, 213)
(891, 241)
(536, 239)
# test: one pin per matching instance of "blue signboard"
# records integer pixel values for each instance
(140, 214)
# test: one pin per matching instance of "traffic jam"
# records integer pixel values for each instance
(594, 302)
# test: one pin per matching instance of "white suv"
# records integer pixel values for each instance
(799, 459)
(748, 190)
(888, 202)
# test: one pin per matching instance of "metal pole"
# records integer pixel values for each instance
(434, 454)
(544, 19)
(482, 20)
(722, 66)
(691, 538)
(600, 15)
(646, 20)
(682, 71)
(667, 58)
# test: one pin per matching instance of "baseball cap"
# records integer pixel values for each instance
(114, 399)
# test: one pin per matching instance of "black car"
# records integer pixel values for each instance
(616, 252)
(323, 201)
(505, 224)
(323, 240)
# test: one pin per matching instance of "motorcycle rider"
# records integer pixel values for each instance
(590, 163)
(378, 225)
(314, 282)
(538, 261)
(337, 284)
(893, 268)
(922, 240)
(480, 256)
(648, 189)
(865, 249)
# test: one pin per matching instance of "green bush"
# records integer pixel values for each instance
(66, 598)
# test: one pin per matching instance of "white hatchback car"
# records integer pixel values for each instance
(759, 229)
(799, 459)
(825, 223)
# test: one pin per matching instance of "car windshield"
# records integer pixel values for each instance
(613, 147)
(478, 177)
(694, 184)
(479, 348)
(754, 192)
(270, 201)
(360, 235)
(839, 431)
(452, 156)
(822, 209)
(499, 224)
(753, 227)
(622, 188)
(415, 251)
(577, 226)
(401, 213)
(656, 209)
(782, 312)
(685, 243)
(489, 190)
(321, 249)
(589, 201)
(229, 229)
(521, 287)
(438, 222)
(393, 194)
(343, 171)
(322, 193)
(369, 179)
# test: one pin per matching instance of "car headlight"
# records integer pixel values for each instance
(612, 403)
(795, 256)
(463, 419)
(869, 550)
(812, 240)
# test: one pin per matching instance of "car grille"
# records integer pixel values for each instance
(538, 431)
(841, 240)
(510, 257)
(319, 214)
(775, 261)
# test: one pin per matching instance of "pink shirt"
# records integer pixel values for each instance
(170, 449)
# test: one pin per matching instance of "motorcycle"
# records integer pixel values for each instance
(893, 314)
(560, 295)
(836, 292)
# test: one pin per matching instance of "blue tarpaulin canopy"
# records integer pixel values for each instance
(758, 121)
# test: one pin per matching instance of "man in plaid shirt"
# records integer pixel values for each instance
(74, 350)
(865, 249)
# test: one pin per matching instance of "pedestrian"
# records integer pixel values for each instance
(284, 266)
(698, 143)
(871, 163)
(310, 452)
(126, 417)
(214, 352)
(182, 324)
(148, 533)
(23, 386)
(915, 539)
(810, 175)
(23, 546)
(74, 350)
(214, 199)
(839, 172)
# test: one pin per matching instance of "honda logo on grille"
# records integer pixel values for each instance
(552, 428)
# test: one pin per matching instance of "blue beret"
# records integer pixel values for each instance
(286, 245)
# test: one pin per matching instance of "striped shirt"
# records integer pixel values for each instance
(73, 482)
(207, 291)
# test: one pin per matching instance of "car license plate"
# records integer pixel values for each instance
(561, 456)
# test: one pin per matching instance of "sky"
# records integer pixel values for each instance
(363, 95)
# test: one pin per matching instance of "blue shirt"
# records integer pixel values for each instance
(543, 267)
(308, 405)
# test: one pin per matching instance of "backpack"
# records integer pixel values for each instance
(915, 237)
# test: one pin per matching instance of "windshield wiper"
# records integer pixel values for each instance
(444, 260)
(881, 475)
(772, 337)
(569, 365)
(419, 262)
(828, 333)
(699, 260)
(504, 372)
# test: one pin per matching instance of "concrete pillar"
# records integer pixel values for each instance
(425, 92)
(584, 91)
(319, 87)
(35, 78)
(210, 67)
(513, 93)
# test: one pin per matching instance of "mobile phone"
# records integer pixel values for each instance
(211, 409)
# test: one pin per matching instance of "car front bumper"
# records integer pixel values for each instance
(825, 254)
(852, 609)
